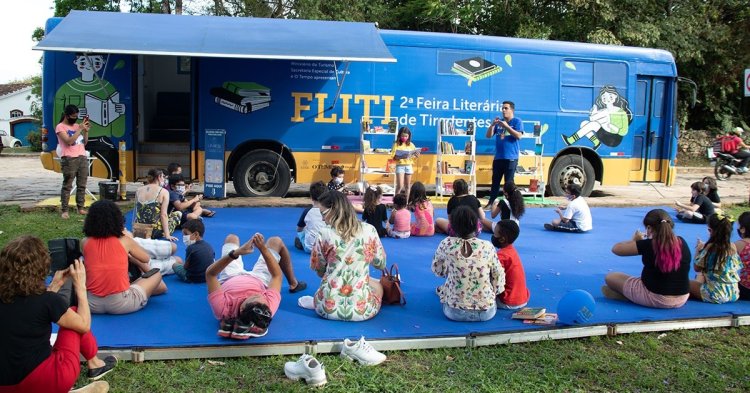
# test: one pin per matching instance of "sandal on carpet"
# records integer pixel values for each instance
(208, 213)
(301, 286)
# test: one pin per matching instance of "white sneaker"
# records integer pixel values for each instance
(362, 352)
(307, 368)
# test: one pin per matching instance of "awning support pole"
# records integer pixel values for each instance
(339, 83)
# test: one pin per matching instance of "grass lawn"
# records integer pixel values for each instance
(681, 361)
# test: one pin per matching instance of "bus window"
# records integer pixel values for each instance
(580, 81)
(641, 93)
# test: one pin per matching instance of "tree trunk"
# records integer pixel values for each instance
(178, 7)
(165, 7)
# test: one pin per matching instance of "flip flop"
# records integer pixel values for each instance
(208, 213)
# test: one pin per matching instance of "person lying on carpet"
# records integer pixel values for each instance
(342, 256)
(743, 249)
(244, 304)
(511, 207)
(575, 217)
(461, 197)
(472, 271)
(424, 213)
(310, 221)
(699, 208)
(664, 281)
(28, 364)
(198, 255)
(376, 213)
(107, 252)
(191, 208)
(277, 248)
(717, 264)
(160, 253)
(516, 294)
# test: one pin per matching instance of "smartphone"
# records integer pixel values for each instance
(150, 273)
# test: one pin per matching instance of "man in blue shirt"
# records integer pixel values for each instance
(507, 132)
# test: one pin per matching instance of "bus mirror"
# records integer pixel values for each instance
(693, 92)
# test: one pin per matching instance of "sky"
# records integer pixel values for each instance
(18, 20)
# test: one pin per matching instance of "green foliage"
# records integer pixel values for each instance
(63, 7)
(35, 140)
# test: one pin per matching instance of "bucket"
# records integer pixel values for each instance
(533, 185)
(108, 190)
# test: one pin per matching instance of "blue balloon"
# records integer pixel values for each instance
(576, 307)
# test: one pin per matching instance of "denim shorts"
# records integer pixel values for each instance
(407, 169)
(457, 314)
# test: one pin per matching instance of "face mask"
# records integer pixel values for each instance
(404, 139)
(338, 180)
(187, 240)
(496, 242)
(70, 121)
(181, 189)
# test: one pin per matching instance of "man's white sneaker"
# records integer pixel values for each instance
(307, 368)
(362, 352)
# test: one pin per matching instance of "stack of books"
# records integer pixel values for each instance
(475, 68)
(535, 315)
(243, 97)
(447, 148)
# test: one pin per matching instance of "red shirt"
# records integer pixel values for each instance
(106, 266)
(515, 293)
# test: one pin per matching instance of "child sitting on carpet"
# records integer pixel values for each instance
(511, 207)
(743, 249)
(575, 217)
(698, 210)
(473, 274)
(375, 213)
(461, 197)
(516, 294)
(191, 208)
(244, 304)
(711, 191)
(400, 218)
(311, 220)
(337, 184)
(717, 264)
(198, 255)
(424, 213)
(664, 281)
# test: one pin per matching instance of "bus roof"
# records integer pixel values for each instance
(531, 46)
(215, 36)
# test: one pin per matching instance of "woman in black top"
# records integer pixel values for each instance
(461, 197)
(711, 190)
(375, 213)
(27, 362)
(664, 281)
(699, 209)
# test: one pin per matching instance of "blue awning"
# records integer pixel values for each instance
(216, 36)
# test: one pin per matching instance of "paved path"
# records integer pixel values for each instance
(23, 180)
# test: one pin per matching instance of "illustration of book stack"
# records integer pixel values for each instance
(475, 68)
(243, 97)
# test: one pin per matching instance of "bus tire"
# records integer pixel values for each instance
(571, 168)
(262, 173)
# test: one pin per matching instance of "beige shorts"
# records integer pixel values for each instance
(636, 292)
(131, 300)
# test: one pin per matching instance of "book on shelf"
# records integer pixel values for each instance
(468, 167)
(366, 146)
(467, 147)
(447, 148)
(529, 313)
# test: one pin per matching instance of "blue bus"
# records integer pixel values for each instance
(292, 95)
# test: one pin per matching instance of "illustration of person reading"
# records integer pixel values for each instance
(95, 97)
(608, 120)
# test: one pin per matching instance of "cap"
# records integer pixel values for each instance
(738, 130)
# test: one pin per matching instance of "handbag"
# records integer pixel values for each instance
(142, 230)
(63, 252)
(391, 282)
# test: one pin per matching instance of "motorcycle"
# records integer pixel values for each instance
(726, 166)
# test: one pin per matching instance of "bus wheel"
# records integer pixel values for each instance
(571, 169)
(262, 173)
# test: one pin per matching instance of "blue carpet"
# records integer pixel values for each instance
(554, 262)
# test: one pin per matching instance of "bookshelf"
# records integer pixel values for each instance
(456, 157)
(376, 137)
(535, 173)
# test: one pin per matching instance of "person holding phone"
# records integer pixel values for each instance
(74, 164)
(507, 131)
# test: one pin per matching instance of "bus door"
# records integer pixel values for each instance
(649, 127)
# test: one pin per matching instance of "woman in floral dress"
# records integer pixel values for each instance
(342, 256)
(474, 275)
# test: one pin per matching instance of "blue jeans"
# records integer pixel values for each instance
(457, 314)
(501, 167)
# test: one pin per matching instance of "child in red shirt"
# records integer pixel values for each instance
(516, 294)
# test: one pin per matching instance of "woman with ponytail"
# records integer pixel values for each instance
(664, 281)
(511, 207)
(717, 263)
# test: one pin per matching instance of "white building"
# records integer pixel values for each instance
(15, 111)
